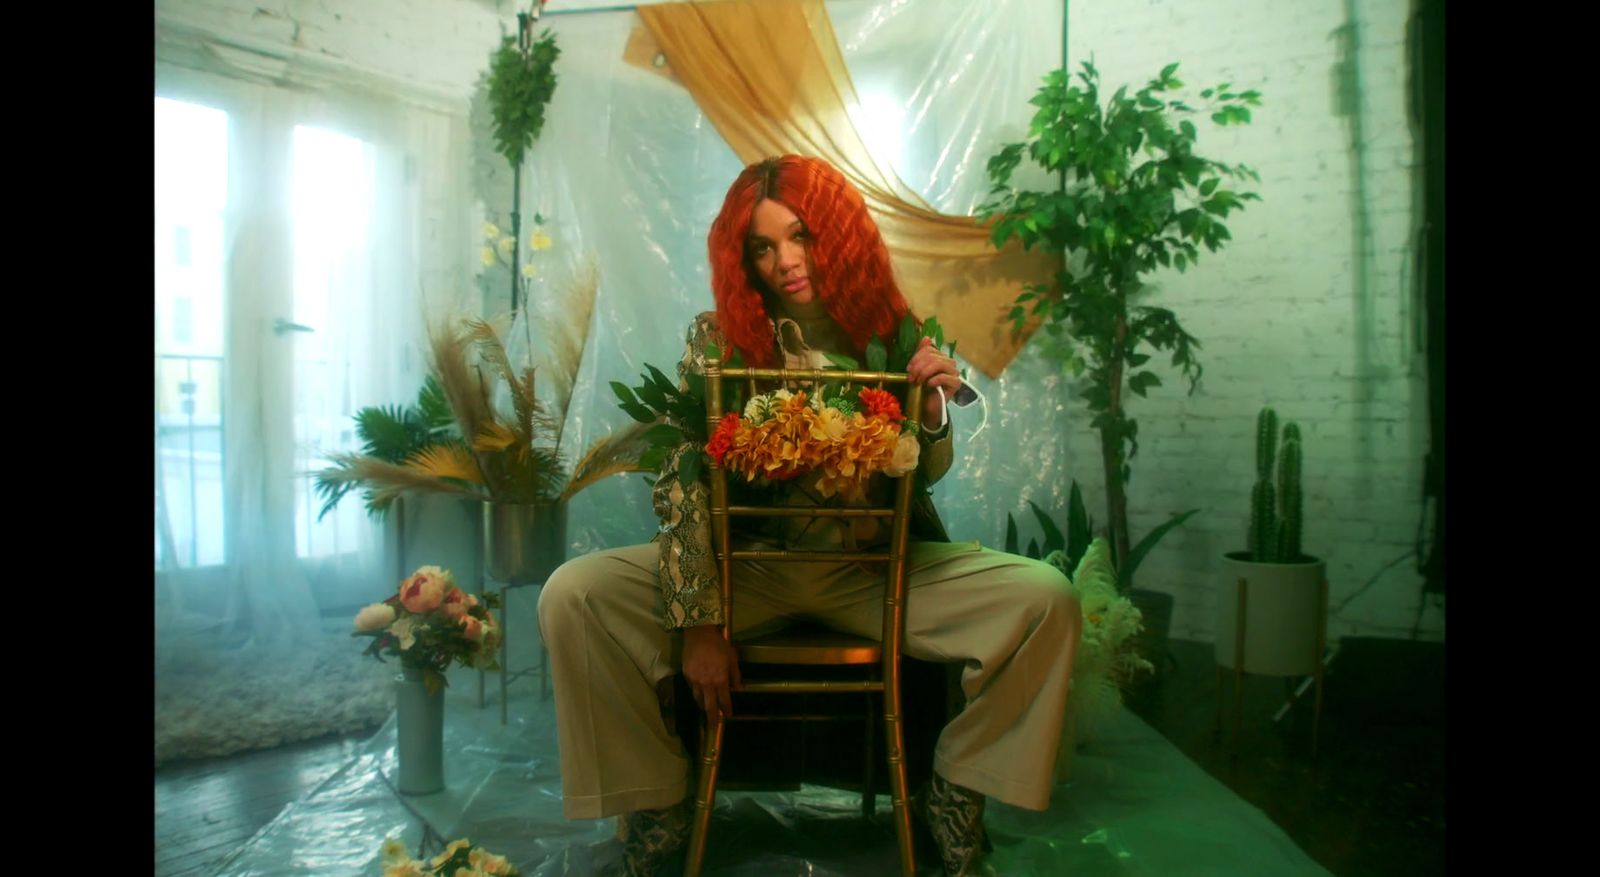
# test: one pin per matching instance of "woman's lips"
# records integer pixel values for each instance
(795, 285)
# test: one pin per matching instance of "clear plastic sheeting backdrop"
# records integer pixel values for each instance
(1136, 807)
(629, 174)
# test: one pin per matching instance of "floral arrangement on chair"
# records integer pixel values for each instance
(431, 623)
(1106, 658)
(782, 435)
(461, 858)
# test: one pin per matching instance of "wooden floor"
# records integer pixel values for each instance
(1371, 803)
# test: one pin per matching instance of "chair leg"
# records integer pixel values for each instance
(894, 740)
(869, 794)
(705, 796)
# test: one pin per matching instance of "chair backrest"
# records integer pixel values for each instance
(898, 513)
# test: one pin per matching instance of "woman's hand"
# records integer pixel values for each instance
(931, 369)
(711, 667)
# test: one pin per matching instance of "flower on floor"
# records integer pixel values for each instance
(461, 858)
(430, 623)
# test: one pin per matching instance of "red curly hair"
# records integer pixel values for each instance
(845, 248)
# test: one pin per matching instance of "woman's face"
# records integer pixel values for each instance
(779, 250)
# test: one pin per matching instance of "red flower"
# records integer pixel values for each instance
(722, 439)
(881, 403)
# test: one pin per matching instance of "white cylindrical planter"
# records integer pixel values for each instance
(1284, 612)
(419, 724)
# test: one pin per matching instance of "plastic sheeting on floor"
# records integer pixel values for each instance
(1135, 806)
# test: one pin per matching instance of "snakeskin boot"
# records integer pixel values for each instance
(652, 839)
(953, 817)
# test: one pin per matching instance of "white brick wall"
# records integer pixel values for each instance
(1281, 312)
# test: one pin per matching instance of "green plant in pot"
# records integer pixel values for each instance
(392, 434)
(1132, 198)
(507, 456)
(1066, 547)
(1283, 630)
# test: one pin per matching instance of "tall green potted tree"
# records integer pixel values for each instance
(1133, 198)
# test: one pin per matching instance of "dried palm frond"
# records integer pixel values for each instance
(611, 455)
(460, 383)
(567, 315)
(447, 461)
(388, 480)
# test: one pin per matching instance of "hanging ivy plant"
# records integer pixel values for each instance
(520, 86)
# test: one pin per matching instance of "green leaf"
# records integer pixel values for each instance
(1053, 540)
(842, 361)
(1209, 186)
(906, 342)
(1167, 71)
(1080, 529)
(639, 412)
(624, 395)
(1011, 534)
(877, 355)
(663, 434)
(1137, 554)
(652, 459)
(689, 468)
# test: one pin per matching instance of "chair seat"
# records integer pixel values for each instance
(810, 645)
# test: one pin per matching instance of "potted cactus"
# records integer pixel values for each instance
(1285, 605)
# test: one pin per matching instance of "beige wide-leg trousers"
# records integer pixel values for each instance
(1010, 622)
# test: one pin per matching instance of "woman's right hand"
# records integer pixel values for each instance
(711, 667)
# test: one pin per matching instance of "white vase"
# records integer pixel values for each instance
(420, 727)
(1285, 611)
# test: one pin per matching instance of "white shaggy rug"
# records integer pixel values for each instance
(218, 701)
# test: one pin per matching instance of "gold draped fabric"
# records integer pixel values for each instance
(770, 76)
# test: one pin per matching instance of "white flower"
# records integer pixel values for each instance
(781, 396)
(374, 617)
(490, 231)
(758, 409)
(529, 270)
(539, 240)
(405, 631)
(487, 256)
(505, 245)
(906, 452)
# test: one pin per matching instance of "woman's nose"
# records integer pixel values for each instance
(791, 254)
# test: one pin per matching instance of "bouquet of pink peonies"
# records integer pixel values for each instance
(431, 623)
(461, 858)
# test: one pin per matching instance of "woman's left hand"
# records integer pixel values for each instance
(931, 369)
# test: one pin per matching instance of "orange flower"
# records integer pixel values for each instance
(881, 403)
(722, 439)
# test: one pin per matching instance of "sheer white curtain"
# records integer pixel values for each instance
(291, 249)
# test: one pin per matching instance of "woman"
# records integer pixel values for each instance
(799, 270)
